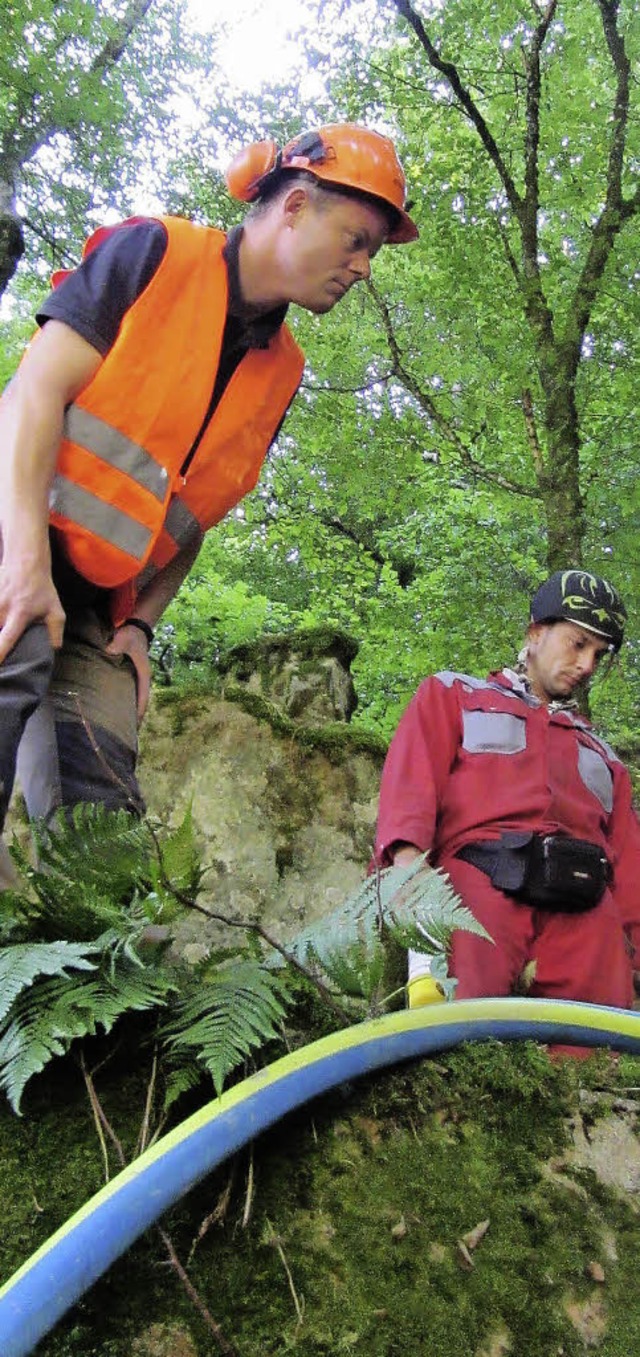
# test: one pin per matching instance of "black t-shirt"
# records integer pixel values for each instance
(93, 299)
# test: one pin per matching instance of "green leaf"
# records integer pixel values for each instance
(227, 1018)
(22, 963)
(51, 1014)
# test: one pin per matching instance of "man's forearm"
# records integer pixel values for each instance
(56, 367)
(152, 601)
(30, 433)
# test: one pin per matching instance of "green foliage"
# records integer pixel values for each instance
(105, 882)
(96, 870)
(48, 1017)
(88, 97)
(405, 907)
(227, 1018)
(406, 500)
(102, 879)
(22, 963)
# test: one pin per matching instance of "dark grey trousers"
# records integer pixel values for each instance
(68, 721)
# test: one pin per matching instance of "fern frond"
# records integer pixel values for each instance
(51, 1014)
(22, 963)
(182, 1079)
(228, 1017)
(91, 866)
(358, 971)
(99, 870)
(179, 863)
(416, 908)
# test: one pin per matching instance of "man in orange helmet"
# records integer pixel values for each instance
(140, 414)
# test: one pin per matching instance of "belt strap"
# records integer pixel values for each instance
(507, 853)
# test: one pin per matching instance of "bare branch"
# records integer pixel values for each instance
(223, 1344)
(617, 210)
(429, 407)
(248, 926)
(509, 255)
(115, 46)
(529, 216)
(329, 389)
(58, 252)
(452, 76)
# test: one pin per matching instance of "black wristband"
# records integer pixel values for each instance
(142, 626)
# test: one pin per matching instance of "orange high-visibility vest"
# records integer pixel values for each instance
(118, 500)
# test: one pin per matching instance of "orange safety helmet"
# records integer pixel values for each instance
(343, 154)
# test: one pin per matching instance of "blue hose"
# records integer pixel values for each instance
(45, 1287)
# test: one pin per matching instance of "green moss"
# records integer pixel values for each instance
(336, 740)
(366, 1195)
(310, 644)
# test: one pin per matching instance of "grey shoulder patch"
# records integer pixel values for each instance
(597, 739)
(448, 678)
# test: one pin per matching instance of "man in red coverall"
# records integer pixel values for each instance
(511, 793)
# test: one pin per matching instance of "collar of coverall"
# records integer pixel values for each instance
(518, 679)
(256, 330)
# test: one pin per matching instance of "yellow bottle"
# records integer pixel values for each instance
(424, 990)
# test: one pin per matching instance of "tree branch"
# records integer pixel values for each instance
(405, 570)
(529, 216)
(617, 210)
(115, 46)
(428, 406)
(524, 208)
(452, 76)
(532, 433)
(223, 1344)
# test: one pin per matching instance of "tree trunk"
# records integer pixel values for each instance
(560, 481)
(11, 234)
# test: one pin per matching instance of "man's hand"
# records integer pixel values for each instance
(27, 595)
(132, 642)
(406, 853)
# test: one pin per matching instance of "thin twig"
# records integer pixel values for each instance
(248, 926)
(97, 1122)
(102, 1121)
(196, 1299)
(248, 1200)
(143, 1138)
(215, 1217)
(274, 1240)
(111, 773)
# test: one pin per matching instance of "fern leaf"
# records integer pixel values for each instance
(51, 1014)
(418, 909)
(183, 1079)
(22, 963)
(358, 971)
(228, 1017)
(180, 861)
(92, 865)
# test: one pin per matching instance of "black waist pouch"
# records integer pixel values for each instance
(547, 871)
(564, 874)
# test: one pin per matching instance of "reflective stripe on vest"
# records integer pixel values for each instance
(103, 520)
(113, 447)
(180, 523)
(182, 527)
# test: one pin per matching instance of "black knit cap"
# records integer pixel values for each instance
(588, 600)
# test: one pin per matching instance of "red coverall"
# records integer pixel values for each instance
(474, 758)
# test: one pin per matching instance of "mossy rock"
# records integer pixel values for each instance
(357, 1232)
